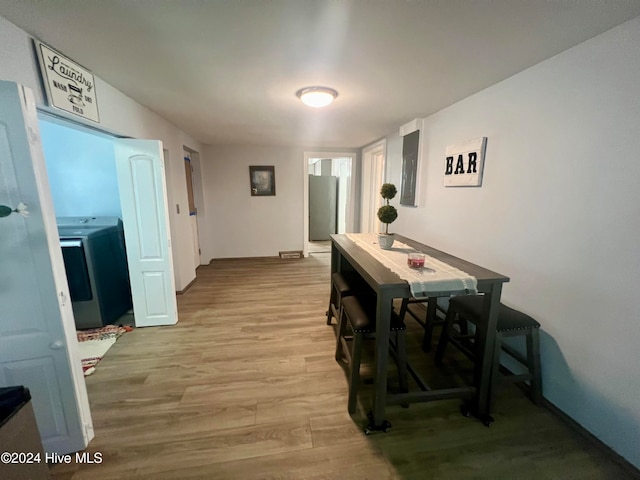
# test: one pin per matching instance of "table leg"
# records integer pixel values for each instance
(335, 267)
(335, 259)
(485, 346)
(383, 320)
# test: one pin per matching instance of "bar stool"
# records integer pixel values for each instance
(341, 286)
(414, 306)
(511, 323)
(358, 315)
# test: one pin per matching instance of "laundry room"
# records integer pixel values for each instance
(84, 188)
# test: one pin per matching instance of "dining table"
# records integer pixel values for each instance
(360, 253)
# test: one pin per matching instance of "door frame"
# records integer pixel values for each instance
(196, 196)
(350, 216)
(373, 173)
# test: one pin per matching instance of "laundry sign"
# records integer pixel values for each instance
(464, 163)
(69, 86)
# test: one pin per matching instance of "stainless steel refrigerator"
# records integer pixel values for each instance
(323, 207)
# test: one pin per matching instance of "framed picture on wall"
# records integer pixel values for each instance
(408, 186)
(262, 180)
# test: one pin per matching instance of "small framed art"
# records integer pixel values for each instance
(263, 180)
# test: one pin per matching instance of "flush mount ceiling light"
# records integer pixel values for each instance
(317, 96)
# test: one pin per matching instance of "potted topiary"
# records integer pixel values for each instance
(387, 214)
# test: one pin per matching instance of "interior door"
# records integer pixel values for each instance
(373, 166)
(38, 345)
(145, 215)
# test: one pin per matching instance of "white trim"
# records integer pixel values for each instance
(410, 127)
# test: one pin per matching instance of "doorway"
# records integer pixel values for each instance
(81, 169)
(328, 198)
(97, 179)
(194, 197)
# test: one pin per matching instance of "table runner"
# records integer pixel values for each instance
(436, 276)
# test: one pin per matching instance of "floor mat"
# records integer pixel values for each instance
(94, 343)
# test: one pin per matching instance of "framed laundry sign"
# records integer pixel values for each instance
(464, 163)
(69, 86)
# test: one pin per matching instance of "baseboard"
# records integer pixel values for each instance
(184, 290)
(583, 432)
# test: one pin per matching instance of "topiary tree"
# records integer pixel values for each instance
(387, 213)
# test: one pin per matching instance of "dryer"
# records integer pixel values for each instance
(96, 264)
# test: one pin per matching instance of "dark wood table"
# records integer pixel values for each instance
(346, 255)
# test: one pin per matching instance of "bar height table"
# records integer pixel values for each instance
(346, 255)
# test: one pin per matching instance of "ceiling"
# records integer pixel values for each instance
(226, 71)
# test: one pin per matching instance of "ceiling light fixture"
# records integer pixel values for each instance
(316, 96)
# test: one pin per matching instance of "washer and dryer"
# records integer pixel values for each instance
(96, 264)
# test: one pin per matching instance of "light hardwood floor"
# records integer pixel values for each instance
(245, 386)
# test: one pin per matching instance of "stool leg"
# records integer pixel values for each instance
(354, 376)
(332, 301)
(342, 327)
(401, 345)
(444, 336)
(495, 371)
(533, 360)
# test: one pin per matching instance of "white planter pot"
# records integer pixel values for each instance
(385, 240)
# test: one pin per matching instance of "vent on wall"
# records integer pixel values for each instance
(291, 254)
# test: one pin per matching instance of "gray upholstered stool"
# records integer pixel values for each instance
(511, 323)
(341, 286)
(358, 315)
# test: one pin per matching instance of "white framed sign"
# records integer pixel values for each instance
(464, 163)
(69, 86)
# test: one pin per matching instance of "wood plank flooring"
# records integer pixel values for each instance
(245, 386)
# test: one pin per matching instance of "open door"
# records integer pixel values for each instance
(38, 345)
(373, 175)
(145, 215)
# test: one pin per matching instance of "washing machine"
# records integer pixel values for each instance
(96, 264)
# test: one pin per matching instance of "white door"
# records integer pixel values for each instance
(373, 164)
(38, 345)
(145, 215)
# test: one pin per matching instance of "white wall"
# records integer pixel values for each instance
(239, 225)
(82, 171)
(121, 115)
(558, 212)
